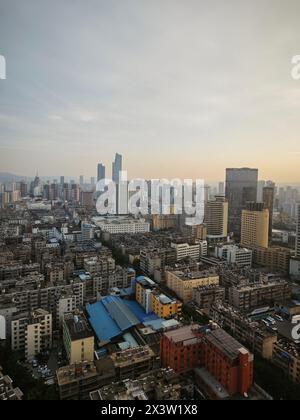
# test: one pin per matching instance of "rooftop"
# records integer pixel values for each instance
(75, 373)
(227, 344)
(78, 327)
(185, 335)
(113, 316)
(194, 275)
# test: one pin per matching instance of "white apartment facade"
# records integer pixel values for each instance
(120, 225)
(32, 333)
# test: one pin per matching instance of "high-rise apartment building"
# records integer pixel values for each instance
(87, 198)
(32, 333)
(241, 187)
(100, 172)
(78, 339)
(255, 226)
(117, 168)
(216, 217)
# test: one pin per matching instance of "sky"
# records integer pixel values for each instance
(181, 88)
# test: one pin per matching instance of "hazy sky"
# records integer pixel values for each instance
(180, 88)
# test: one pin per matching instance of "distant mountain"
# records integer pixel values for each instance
(8, 177)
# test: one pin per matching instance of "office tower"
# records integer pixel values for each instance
(117, 168)
(268, 200)
(62, 180)
(260, 187)
(255, 226)
(46, 191)
(81, 180)
(23, 189)
(206, 193)
(87, 198)
(241, 187)
(221, 188)
(100, 172)
(93, 180)
(216, 217)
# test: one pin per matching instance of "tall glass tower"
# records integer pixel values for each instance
(241, 188)
(117, 168)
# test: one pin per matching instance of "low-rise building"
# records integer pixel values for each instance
(190, 250)
(235, 255)
(133, 362)
(121, 224)
(251, 296)
(183, 282)
(75, 382)
(152, 300)
(286, 356)
(257, 337)
(276, 259)
(205, 297)
(7, 390)
(161, 385)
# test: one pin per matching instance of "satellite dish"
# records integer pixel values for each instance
(2, 328)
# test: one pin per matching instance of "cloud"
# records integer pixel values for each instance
(55, 117)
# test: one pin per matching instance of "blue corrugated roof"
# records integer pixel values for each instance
(139, 312)
(104, 326)
(112, 316)
(124, 317)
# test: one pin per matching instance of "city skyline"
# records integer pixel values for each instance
(186, 103)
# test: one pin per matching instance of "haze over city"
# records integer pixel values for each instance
(180, 90)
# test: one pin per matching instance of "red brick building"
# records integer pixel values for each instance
(221, 356)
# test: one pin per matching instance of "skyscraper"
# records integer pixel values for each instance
(221, 188)
(241, 187)
(268, 200)
(100, 172)
(117, 168)
(255, 226)
(216, 217)
(81, 180)
(260, 187)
